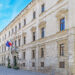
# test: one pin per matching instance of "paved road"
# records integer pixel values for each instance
(6, 71)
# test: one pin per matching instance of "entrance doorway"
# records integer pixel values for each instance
(15, 61)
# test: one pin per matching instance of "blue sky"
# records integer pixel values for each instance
(9, 9)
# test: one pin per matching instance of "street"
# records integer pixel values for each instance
(7, 71)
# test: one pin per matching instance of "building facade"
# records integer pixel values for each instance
(43, 37)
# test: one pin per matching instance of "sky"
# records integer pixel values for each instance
(9, 9)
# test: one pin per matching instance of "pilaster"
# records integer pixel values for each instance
(71, 36)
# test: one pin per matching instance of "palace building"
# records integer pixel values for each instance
(43, 38)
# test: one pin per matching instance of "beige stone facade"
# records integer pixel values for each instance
(40, 41)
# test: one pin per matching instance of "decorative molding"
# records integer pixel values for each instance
(33, 29)
(61, 13)
(42, 24)
(59, 1)
(24, 34)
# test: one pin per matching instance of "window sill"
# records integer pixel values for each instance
(33, 20)
(42, 13)
(62, 32)
(24, 26)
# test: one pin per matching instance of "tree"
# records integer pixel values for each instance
(9, 63)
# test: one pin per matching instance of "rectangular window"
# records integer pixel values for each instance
(42, 64)
(15, 28)
(33, 36)
(42, 8)
(42, 52)
(24, 40)
(23, 55)
(33, 64)
(19, 25)
(12, 31)
(62, 24)
(5, 48)
(43, 32)
(23, 64)
(19, 42)
(15, 43)
(2, 48)
(61, 49)
(9, 33)
(12, 44)
(5, 36)
(33, 54)
(24, 22)
(34, 15)
(62, 64)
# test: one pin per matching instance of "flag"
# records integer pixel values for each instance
(8, 44)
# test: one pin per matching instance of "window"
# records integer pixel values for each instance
(5, 36)
(5, 48)
(42, 64)
(12, 31)
(33, 64)
(43, 32)
(24, 22)
(34, 15)
(24, 40)
(42, 52)
(62, 24)
(15, 28)
(15, 43)
(2, 59)
(23, 55)
(9, 33)
(12, 44)
(62, 64)
(19, 42)
(33, 36)
(19, 25)
(2, 48)
(23, 64)
(42, 8)
(61, 49)
(33, 54)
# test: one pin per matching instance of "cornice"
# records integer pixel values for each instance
(26, 10)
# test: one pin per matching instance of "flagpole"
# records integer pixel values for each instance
(9, 45)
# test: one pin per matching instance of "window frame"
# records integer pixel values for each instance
(33, 54)
(62, 49)
(19, 42)
(24, 22)
(34, 15)
(42, 8)
(62, 24)
(34, 36)
(42, 52)
(62, 64)
(42, 64)
(19, 25)
(42, 32)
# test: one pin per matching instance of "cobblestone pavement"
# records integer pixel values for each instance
(6, 71)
